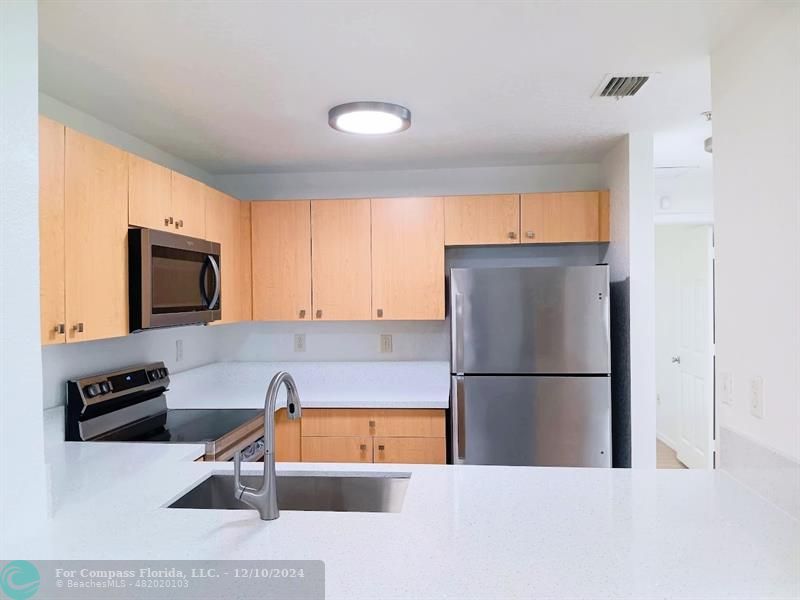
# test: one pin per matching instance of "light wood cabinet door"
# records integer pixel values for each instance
(340, 260)
(409, 450)
(223, 223)
(245, 250)
(51, 231)
(188, 206)
(96, 249)
(344, 422)
(149, 194)
(287, 438)
(281, 260)
(408, 422)
(473, 220)
(560, 217)
(336, 449)
(408, 258)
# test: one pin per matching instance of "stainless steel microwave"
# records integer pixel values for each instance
(173, 280)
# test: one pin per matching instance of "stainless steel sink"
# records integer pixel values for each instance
(351, 492)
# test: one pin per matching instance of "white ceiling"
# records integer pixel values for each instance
(245, 86)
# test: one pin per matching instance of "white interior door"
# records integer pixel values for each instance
(685, 341)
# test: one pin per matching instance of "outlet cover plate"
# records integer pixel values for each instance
(299, 342)
(726, 388)
(757, 397)
(386, 342)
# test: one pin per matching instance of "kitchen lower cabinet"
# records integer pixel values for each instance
(409, 450)
(337, 449)
(287, 438)
(373, 435)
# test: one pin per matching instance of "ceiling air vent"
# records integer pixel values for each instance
(620, 86)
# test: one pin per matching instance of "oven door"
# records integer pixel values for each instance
(174, 280)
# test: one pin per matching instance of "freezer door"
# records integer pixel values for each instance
(535, 320)
(538, 421)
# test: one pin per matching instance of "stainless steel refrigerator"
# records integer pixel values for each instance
(530, 363)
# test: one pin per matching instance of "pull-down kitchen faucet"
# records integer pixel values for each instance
(265, 498)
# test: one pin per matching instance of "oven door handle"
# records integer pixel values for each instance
(212, 262)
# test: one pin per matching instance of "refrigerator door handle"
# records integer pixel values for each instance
(459, 426)
(458, 332)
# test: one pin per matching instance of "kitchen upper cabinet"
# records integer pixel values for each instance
(188, 205)
(245, 235)
(224, 226)
(281, 242)
(51, 231)
(474, 220)
(341, 266)
(149, 195)
(564, 217)
(408, 258)
(95, 249)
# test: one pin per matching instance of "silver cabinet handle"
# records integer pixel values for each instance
(676, 359)
(380, 313)
(362, 447)
(59, 328)
(319, 313)
(530, 234)
(302, 313)
(512, 235)
(166, 220)
(381, 447)
(372, 424)
(78, 327)
(179, 224)
(458, 332)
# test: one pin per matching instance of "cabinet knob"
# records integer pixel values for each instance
(381, 447)
(363, 447)
(319, 313)
(166, 220)
(302, 313)
(78, 327)
(676, 360)
(178, 223)
(530, 234)
(512, 235)
(171, 221)
(380, 312)
(59, 328)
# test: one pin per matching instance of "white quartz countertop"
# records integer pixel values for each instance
(320, 384)
(463, 532)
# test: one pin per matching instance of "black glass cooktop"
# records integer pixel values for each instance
(184, 425)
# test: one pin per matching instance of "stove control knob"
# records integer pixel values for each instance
(105, 387)
(163, 372)
(153, 375)
(91, 390)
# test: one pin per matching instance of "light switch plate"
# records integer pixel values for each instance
(386, 342)
(726, 388)
(757, 397)
(299, 342)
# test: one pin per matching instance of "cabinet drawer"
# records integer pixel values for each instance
(410, 450)
(337, 449)
(318, 422)
(423, 422)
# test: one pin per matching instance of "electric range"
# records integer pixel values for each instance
(130, 405)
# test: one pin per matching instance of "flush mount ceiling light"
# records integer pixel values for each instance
(369, 118)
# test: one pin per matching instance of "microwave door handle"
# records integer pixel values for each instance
(217, 282)
(203, 293)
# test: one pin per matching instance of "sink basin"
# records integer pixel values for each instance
(351, 492)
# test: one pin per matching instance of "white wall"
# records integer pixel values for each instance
(22, 489)
(755, 78)
(85, 123)
(688, 192)
(628, 174)
(421, 182)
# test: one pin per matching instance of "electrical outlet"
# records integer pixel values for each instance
(178, 350)
(757, 397)
(299, 342)
(726, 388)
(386, 342)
